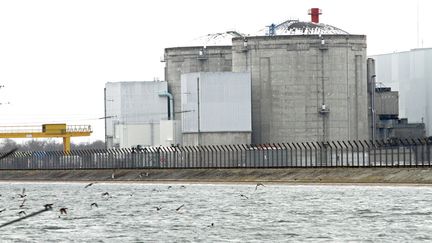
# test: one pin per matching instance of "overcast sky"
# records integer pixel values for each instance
(56, 56)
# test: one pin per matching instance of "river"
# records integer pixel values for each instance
(128, 212)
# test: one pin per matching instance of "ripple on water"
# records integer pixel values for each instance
(275, 213)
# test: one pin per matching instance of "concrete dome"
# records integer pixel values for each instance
(216, 39)
(295, 27)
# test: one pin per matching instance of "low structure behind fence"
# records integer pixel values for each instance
(392, 153)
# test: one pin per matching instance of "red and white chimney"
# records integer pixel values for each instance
(315, 13)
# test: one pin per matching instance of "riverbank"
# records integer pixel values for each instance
(291, 175)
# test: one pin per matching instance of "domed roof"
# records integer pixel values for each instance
(216, 39)
(295, 27)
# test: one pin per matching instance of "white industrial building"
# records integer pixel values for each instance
(138, 113)
(410, 74)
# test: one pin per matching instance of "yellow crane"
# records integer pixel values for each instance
(47, 131)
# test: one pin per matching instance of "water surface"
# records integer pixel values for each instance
(217, 213)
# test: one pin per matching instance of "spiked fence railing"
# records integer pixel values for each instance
(379, 153)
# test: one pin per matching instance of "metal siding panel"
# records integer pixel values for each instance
(406, 72)
(134, 103)
(189, 105)
(141, 102)
(225, 102)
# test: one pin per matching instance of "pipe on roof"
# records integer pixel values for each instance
(171, 104)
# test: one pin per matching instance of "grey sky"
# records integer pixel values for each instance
(56, 56)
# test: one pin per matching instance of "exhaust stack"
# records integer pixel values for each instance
(315, 13)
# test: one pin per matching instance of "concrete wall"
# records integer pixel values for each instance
(182, 60)
(293, 76)
(217, 138)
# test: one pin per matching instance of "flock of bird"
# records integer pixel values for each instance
(22, 214)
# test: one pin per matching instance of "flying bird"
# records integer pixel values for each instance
(90, 184)
(177, 209)
(21, 213)
(22, 195)
(105, 194)
(241, 195)
(158, 208)
(63, 210)
(258, 184)
(48, 206)
(22, 204)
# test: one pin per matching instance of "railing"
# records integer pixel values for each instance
(389, 153)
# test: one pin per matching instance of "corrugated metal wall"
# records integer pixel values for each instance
(410, 74)
(129, 103)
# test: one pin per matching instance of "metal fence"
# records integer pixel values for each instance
(389, 153)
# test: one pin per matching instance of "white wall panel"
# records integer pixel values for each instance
(410, 73)
(224, 102)
(134, 103)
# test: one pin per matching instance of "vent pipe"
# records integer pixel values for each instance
(315, 13)
(171, 104)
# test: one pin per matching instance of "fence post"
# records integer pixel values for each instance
(336, 154)
(363, 153)
(378, 147)
(368, 147)
(322, 152)
(414, 146)
(428, 143)
(352, 152)
(273, 149)
(342, 153)
(330, 157)
(403, 152)
(231, 155)
(294, 155)
(225, 150)
(180, 160)
(236, 153)
(357, 152)
(279, 152)
(315, 148)
(205, 157)
(290, 149)
(303, 147)
(241, 151)
(397, 151)
(284, 160)
(422, 151)
(244, 155)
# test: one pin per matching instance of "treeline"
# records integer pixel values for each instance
(46, 145)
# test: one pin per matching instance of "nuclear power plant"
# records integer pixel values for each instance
(291, 82)
(308, 80)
